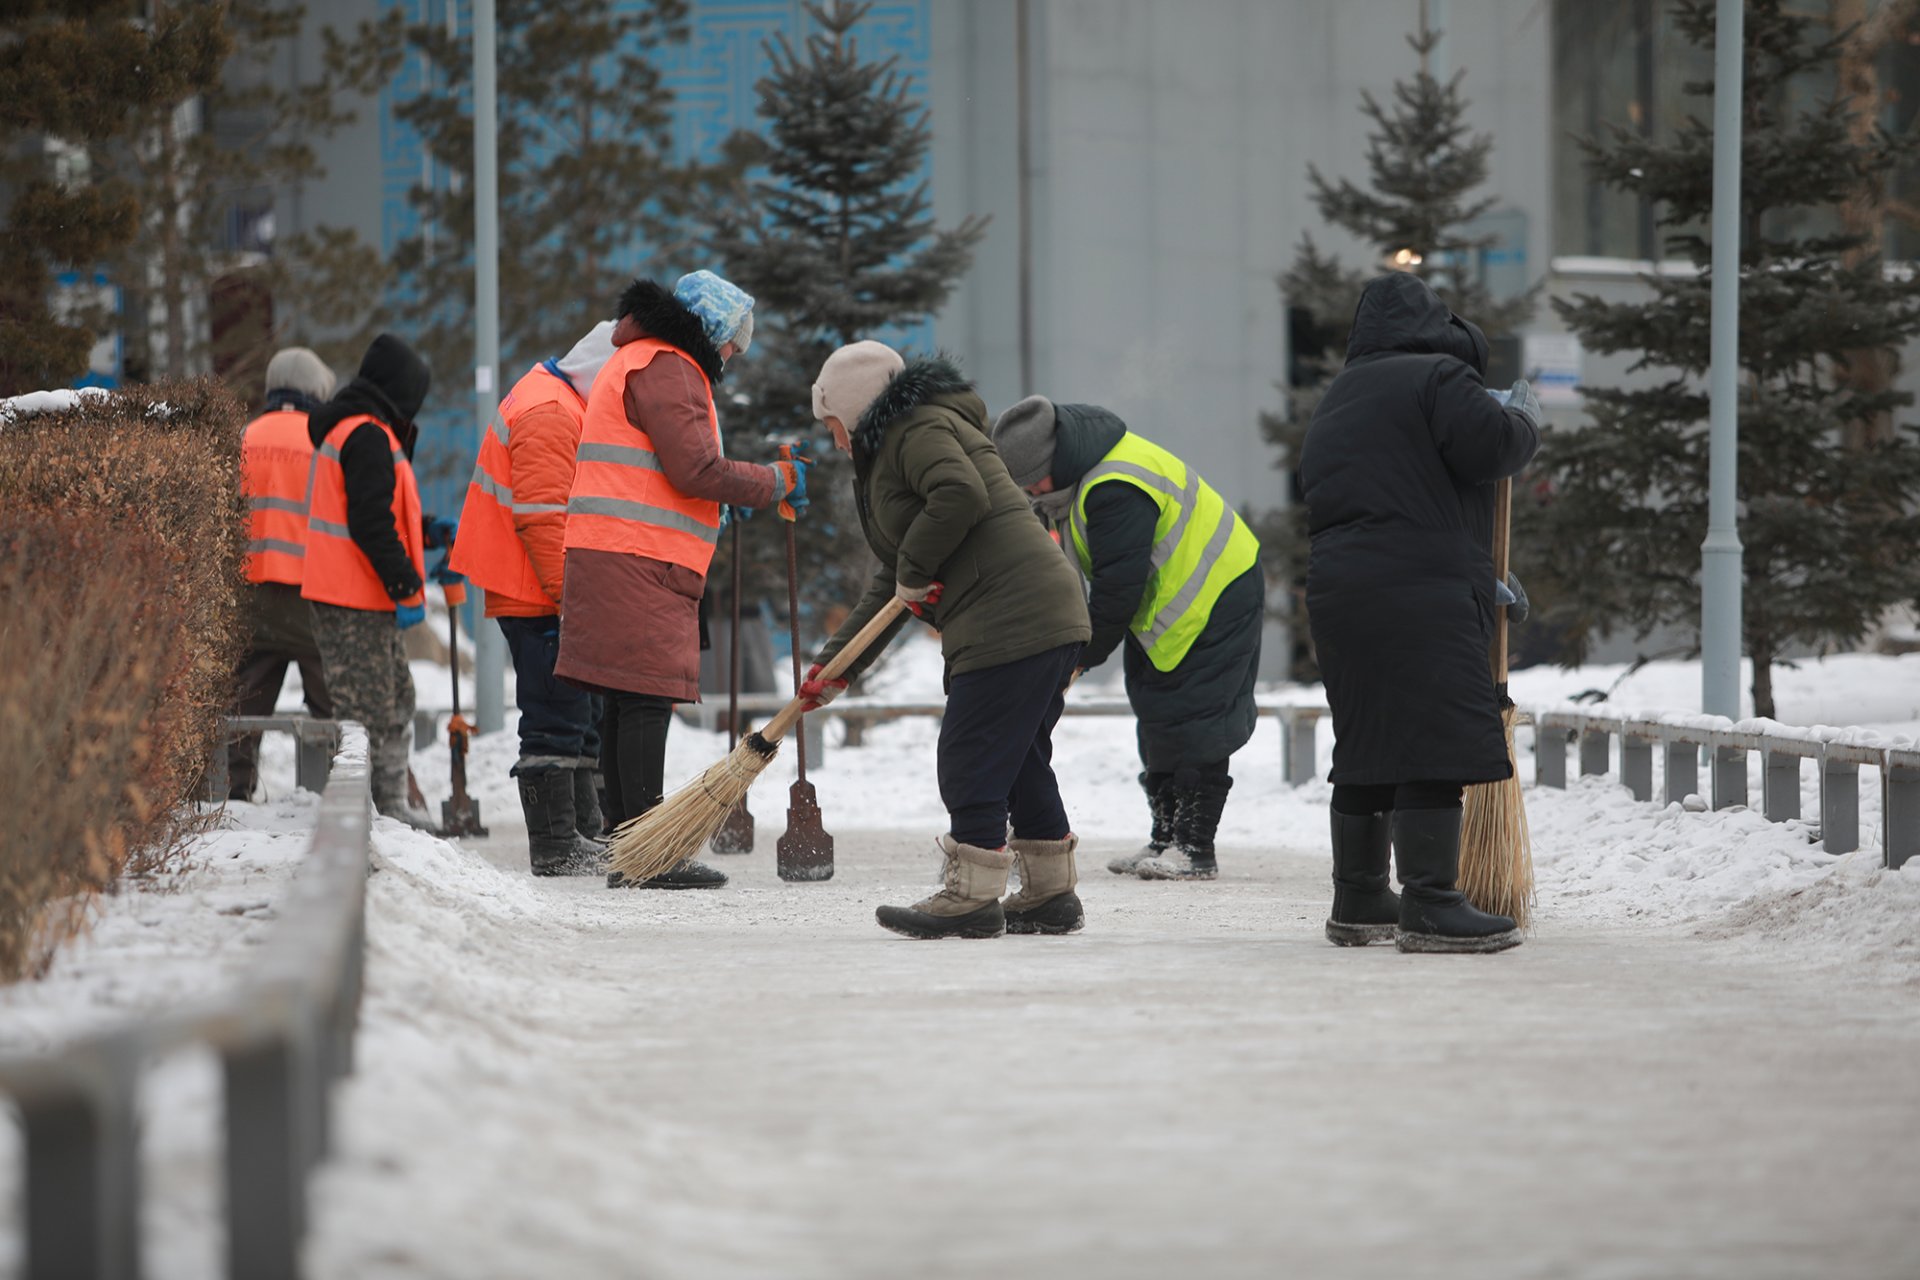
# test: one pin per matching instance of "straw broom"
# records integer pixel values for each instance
(672, 831)
(1496, 857)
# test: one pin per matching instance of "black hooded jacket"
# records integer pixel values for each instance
(1398, 468)
(1120, 524)
(391, 386)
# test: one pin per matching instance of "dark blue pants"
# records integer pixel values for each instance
(996, 750)
(556, 718)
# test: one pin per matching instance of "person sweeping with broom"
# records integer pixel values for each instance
(1399, 468)
(957, 542)
(642, 520)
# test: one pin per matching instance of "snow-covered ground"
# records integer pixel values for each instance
(481, 979)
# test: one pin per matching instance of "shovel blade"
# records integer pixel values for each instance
(736, 833)
(805, 852)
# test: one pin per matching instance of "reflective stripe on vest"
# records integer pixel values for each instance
(1199, 547)
(275, 456)
(338, 572)
(488, 549)
(622, 500)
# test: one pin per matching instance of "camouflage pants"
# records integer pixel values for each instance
(368, 677)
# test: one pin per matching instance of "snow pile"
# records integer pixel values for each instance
(1857, 913)
(48, 401)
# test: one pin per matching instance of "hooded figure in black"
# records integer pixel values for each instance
(1398, 469)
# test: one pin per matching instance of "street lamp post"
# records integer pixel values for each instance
(489, 668)
(1720, 554)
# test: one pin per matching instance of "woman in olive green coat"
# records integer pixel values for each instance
(957, 541)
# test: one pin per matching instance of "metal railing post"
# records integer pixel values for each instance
(270, 1147)
(1596, 750)
(1550, 738)
(1682, 776)
(83, 1171)
(1839, 801)
(1779, 784)
(1729, 776)
(1636, 762)
(1900, 807)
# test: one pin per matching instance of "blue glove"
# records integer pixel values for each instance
(409, 615)
(443, 573)
(1513, 597)
(441, 531)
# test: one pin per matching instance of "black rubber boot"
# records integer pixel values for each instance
(1199, 801)
(554, 847)
(1160, 805)
(1364, 908)
(1434, 915)
(586, 802)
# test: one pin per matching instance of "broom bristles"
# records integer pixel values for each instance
(1496, 854)
(674, 830)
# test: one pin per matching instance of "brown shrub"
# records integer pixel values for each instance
(86, 647)
(154, 473)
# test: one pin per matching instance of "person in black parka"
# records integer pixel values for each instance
(1398, 469)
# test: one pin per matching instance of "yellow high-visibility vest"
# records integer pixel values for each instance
(1200, 545)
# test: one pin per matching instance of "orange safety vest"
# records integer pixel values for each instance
(622, 500)
(488, 550)
(275, 456)
(338, 572)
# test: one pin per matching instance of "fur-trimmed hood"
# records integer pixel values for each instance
(661, 315)
(924, 378)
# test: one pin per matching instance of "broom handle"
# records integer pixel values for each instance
(1502, 546)
(777, 727)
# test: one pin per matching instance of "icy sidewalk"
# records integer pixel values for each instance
(555, 1079)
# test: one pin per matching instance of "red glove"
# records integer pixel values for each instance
(817, 692)
(919, 599)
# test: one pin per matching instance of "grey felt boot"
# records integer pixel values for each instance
(1046, 902)
(968, 903)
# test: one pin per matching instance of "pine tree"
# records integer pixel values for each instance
(78, 74)
(249, 131)
(587, 182)
(837, 244)
(1828, 531)
(1423, 163)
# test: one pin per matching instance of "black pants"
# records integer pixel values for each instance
(1361, 801)
(557, 720)
(633, 752)
(996, 750)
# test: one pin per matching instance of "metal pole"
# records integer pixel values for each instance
(1720, 554)
(1024, 158)
(490, 647)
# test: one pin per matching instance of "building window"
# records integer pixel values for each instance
(1626, 65)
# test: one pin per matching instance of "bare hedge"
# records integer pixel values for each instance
(122, 529)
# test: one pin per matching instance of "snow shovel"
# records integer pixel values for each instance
(736, 833)
(459, 816)
(1496, 857)
(805, 852)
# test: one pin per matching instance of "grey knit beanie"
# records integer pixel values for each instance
(1024, 436)
(853, 378)
(299, 369)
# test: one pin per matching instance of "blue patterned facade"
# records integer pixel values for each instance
(713, 77)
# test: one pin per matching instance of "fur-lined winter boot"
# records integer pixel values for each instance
(1200, 801)
(1364, 908)
(587, 819)
(968, 904)
(1046, 902)
(1434, 915)
(1160, 804)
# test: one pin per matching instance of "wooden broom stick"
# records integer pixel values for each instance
(1496, 856)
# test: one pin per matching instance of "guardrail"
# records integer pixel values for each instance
(314, 741)
(1298, 721)
(284, 1034)
(1680, 741)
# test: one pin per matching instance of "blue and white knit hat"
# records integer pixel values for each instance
(725, 309)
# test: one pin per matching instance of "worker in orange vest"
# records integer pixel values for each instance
(642, 521)
(275, 457)
(366, 556)
(511, 544)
